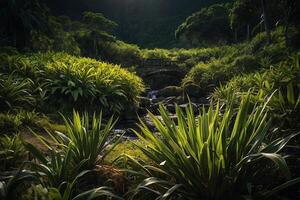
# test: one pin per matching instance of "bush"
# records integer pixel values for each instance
(9, 124)
(210, 156)
(86, 139)
(283, 79)
(15, 93)
(204, 74)
(12, 152)
(245, 64)
(66, 81)
(121, 53)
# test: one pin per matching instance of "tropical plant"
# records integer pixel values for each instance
(15, 93)
(12, 152)
(72, 85)
(58, 168)
(86, 139)
(9, 124)
(286, 105)
(38, 191)
(61, 81)
(60, 174)
(210, 156)
(8, 189)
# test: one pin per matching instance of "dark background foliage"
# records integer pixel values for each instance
(148, 23)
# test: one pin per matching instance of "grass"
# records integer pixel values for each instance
(128, 148)
(209, 156)
(63, 81)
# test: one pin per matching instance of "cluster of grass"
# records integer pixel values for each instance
(282, 78)
(219, 153)
(61, 81)
(131, 55)
(211, 156)
(239, 59)
(72, 156)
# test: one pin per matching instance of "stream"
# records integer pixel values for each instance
(151, 101)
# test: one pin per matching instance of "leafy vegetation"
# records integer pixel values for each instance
(12, 152)
(224, 101)
(86, 139)
(64, 80)
(209, 156)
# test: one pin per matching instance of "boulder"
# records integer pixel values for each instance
(193, 90)
(145, 102)
(195, 107)
(171, 108)
(170, 91)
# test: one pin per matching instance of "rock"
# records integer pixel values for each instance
(154, 108)
(130, 113)
(181, 100)
(149, 123)
(203, 100)
(171, 108)
(145, 102)
(170, 100)
(158, 100)
(193, 90)
(142, 111)
(195, 107)
(170, 91)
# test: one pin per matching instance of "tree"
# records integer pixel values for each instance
(289, 8)
(209, 25)
(251, 15)
(19, 18)
(244, 18)
(97, 28)
(265, 15)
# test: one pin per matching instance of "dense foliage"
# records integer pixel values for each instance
(219, 120)
(62, 81)
(209, 156)
(210, 25)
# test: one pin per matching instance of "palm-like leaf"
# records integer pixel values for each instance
(210, 155)
(87, 139)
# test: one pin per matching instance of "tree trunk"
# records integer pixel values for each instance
(248, 32)
(286, 34)
(266, 20)
(95, 48)
(235, 35)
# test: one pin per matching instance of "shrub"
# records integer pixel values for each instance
(66, 81)
(266, 80)
(86, 139)
(15, 93)
(121, 53)
(12, 152)
(210, 156)
(204, 74)
(61, 176)
(245, 63)
(9, 124)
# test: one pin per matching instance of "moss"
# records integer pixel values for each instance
(170, 91)
(128, 148)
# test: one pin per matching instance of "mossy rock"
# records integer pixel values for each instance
(193, 90)
(145, 102)
(170, 91)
